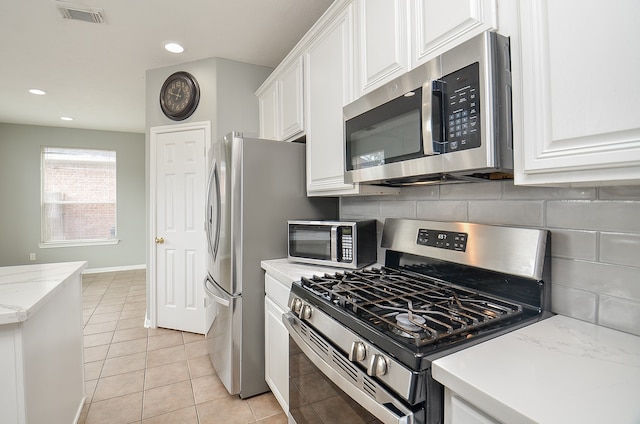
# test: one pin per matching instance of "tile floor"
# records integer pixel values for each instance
(152, 376)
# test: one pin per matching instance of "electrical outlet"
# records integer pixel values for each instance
(32, 256)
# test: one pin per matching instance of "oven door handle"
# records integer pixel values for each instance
(383, 413)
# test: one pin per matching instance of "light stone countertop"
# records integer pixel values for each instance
(24, 289)
(286, 271)
(559, 370)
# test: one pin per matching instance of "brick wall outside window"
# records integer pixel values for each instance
(79, 194)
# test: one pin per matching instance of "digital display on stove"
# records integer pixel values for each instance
(450, 240)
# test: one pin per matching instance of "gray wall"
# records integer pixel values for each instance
(227, 100)
(595, 236)
(227, 96)
(20, 194)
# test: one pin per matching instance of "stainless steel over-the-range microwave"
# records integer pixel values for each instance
(448, 120)
(344, 244)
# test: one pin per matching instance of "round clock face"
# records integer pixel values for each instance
(179, 96)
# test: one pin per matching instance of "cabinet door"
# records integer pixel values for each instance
(328, 70)
(440, 24)
(382, 41)
(458, 411)
(328, 65)
(580, 97)
(268, 107)
(276, 339)
(290, 106)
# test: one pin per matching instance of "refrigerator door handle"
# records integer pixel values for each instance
(213, 200)
(209, 288)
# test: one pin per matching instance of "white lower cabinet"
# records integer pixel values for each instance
(459, 411)
(576, 119)
(41, 360)
(276, 340)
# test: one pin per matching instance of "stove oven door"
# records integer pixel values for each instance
(325, 387)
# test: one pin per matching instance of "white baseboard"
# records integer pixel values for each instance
(114, 269)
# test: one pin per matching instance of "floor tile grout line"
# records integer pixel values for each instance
(149, 334)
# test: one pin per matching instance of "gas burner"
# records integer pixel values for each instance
(410, 322)
(408, 325)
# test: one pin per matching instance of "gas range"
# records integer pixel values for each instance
(444, 286)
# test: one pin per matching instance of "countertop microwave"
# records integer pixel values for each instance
(448, 120)
(343, 244)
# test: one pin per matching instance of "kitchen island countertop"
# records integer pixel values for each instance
(558, 370)
(24, 289)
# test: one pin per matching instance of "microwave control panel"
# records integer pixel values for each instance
(345, 236)
(462, 108)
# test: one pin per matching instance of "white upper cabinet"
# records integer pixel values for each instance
(382, 45)
(328, 70)
(394, 36)
(328, 65)
(577, 114)
(291, 101)
(281, 103)
(438, 25)
(268, 109)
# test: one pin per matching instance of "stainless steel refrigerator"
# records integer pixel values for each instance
(254, 187)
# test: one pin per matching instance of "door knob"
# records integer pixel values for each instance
(159, 240)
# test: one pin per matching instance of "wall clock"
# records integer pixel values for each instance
(179, 96)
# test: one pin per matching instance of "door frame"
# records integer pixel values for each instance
(151, 320)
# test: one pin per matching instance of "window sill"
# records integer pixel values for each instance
(57, 244)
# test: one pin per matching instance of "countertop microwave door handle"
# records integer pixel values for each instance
(218, 299)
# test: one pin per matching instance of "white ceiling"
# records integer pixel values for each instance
(95, 72)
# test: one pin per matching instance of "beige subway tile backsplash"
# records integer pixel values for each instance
(580, 304)
(575, 244)
(619, 216)
(595, 236)
(443, 210)
(622, 314)
(510, 212)
(620, 248)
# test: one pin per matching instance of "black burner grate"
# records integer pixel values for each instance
(407, 305)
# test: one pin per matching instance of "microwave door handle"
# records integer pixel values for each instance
(427, 117)
(429, 139)
(334, 244)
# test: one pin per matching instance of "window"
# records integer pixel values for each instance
(78, 195)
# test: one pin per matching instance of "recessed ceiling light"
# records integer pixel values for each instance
(174, 47)
(37, 91)
(66, 118)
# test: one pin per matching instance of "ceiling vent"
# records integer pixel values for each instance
(80, 13)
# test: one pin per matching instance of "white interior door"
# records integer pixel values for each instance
(180, 239)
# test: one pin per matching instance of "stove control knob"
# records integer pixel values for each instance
(358, 352)
(296, 305)
(305, 312)
(377, 366)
